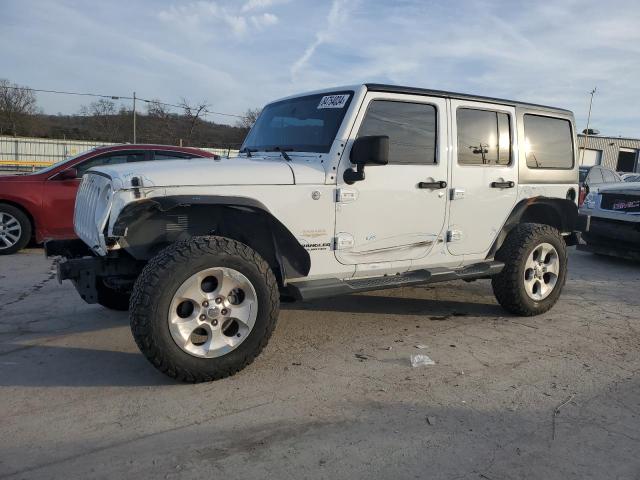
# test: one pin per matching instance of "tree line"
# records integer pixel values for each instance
(104, 120)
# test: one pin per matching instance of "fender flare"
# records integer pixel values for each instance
(560, 213)
(292, 258)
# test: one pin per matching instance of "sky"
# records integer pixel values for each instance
(240, 54)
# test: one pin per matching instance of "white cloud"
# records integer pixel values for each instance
(264, 20)
(257, 4)
(211, 16)
(338, 15)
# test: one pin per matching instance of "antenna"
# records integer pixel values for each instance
(586, 138)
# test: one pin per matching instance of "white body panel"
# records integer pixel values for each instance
(272, 170)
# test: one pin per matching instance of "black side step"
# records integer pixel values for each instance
(312, 289)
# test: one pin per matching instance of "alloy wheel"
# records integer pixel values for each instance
(541, 271)
(10, 230)
(213, 312)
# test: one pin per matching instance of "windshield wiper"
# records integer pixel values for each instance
(248, 151)
(283, 152)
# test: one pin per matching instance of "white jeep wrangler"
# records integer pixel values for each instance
(345, 190)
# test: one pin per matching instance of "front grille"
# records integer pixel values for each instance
(618, 202)
(92, 209)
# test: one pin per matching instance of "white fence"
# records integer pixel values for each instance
(24, 153)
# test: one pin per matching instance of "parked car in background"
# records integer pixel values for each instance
(630, 177)
(40, 205)
(609, 221)
(593, 177)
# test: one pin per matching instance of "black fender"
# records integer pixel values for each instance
(560, 213)
(147, 226)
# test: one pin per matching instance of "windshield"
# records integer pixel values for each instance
(307, 124)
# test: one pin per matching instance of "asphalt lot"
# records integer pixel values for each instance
(333, 395)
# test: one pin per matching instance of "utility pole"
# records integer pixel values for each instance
(134, 117)
(586, 137)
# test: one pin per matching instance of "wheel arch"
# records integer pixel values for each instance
(149, 225)
(559, 213)
(24, 210)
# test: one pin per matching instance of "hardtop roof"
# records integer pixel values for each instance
(379, 87)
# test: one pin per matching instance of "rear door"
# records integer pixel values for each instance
(484, 174)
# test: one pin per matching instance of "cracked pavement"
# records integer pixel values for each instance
(333, 395)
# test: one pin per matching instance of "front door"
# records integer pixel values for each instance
(484, 174)
(396, 213)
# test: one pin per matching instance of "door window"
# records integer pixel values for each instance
(169, 155)
(484, 137)
(110, 159)
(548, 142)
(411, 128)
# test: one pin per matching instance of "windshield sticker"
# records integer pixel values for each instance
(333, 101)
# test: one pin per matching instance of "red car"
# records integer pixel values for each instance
(40, 205)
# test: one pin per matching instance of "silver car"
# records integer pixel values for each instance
(609, 221)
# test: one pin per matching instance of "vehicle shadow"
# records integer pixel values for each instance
(60, 366)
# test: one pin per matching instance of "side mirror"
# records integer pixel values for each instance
(368, 150)
(68, 174)
(371, 150)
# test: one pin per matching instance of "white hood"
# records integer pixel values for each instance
(200, 171)
(268, 170)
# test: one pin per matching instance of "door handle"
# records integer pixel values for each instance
(433, 185)
(508, 184)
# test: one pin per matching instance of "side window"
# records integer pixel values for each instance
(484, 137)
(595, 176)
(411, 128)
(548, 142)
(168, 155)
(609, 176)
(110, 159)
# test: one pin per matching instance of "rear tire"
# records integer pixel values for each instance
(15, 229)
(535, 258)
(186, 318)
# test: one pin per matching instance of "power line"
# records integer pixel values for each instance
(119, 97)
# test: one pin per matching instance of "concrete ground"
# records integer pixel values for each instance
(333, 395)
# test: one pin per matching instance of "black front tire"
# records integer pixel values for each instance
(160, 279)
(25, 229)
(509, 285)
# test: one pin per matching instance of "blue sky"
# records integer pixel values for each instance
(237, 54)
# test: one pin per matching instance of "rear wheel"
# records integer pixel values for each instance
(203, 309)
(535, 258)
(15, 229)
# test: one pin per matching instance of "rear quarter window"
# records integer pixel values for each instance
(548, 142)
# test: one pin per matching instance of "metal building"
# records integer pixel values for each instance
(620, 154)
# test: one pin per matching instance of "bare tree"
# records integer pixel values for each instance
(104, 115)
(192, 114)
(249, 118)
(159, 111)
(17, 106)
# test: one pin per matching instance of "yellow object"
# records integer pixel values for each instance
(26, 164)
